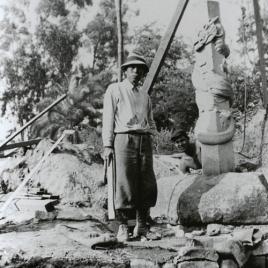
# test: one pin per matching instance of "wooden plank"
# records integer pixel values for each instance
(164, 46)
(20, 144)
(32, 120)
(111, 189)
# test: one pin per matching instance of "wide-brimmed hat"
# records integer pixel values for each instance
(135, 59)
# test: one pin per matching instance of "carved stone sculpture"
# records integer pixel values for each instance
(215, 126)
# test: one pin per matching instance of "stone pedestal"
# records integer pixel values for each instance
(217, 159)
(228, 264)
(214, 130)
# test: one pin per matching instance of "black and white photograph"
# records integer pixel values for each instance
(133, 133)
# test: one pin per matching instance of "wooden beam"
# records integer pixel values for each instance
(258, 21)
(32, 120)
(120, 49)
(20, 144)
(164, 46)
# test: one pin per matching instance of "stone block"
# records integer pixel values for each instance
(217, 229)
(213, 229)
(261, 249)
(235, 249)
(196, 253)
(198, 264)
(45, 216)
(46, 205)
(142, 263)
(169, 265)
(228, 264)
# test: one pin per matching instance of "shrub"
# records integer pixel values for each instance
(162, 142)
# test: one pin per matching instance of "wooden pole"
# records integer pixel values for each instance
(32, 120)
(118, 8)
(164, 46)
(20, 144)
(258, 21)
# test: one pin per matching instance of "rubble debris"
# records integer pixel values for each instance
(215, 229)
(92, 240)
(196, 253)
(198, 264)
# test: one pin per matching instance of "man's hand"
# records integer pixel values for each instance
(108, 154)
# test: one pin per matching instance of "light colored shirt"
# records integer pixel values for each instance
(125, 109)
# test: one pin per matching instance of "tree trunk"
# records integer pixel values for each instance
(118, 7)
(21, 125)
(259, 27)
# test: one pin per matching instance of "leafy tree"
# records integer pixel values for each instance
(22, 70)
(246, 87)
(83, 101)
(25, 78)
(58, 36)
(249, 76)
(14, 30)
(100, 36)
(247, 35)
(173, 93)
(51, 53)
(38, 61)
(59, 44)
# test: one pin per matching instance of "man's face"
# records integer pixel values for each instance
(182, 143)
(134, 73)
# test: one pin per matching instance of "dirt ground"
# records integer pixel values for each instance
(71, 244)
(77, 233)
(65, 237)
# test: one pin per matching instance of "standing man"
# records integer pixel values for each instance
(127, 129)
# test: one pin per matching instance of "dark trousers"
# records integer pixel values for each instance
(135, 185)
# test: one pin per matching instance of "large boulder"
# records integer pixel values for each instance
(231, 198)
(169, 190)
(242, 198)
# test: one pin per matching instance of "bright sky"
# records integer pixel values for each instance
(194, 18)
(161, 12)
